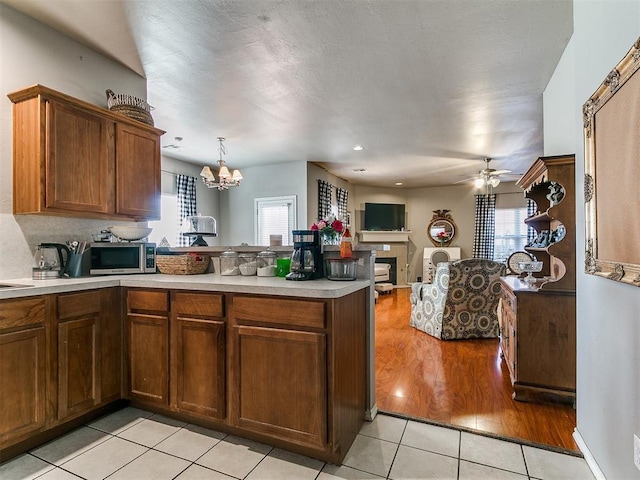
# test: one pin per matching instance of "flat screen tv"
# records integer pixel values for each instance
(384, 216)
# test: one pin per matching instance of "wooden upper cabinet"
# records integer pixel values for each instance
(138, 172)
(77, 147)
(76, 159)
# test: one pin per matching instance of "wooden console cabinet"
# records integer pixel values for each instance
(538, 322)
(73, 158)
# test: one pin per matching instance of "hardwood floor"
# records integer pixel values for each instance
(461, 382)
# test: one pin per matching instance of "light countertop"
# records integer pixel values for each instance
(323, 288)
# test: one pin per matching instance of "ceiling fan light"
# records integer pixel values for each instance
(478, 182)
(494, 181)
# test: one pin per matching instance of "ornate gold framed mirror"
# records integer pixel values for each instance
(442, 229)
(612, 146)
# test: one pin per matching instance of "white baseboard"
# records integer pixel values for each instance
(591, 462)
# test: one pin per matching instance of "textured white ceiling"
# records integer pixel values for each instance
(429, 87)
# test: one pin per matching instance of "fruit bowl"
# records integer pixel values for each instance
(130, 233)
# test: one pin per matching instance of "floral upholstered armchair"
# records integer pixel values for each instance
(461, 302)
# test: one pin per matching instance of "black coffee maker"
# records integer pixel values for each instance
(306, 259)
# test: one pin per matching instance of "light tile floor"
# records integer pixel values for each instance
(133, 444)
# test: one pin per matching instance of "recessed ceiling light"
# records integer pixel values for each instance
(357, 148)
(398, 184)
(359, 169)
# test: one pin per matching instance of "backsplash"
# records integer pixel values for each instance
(22, 233)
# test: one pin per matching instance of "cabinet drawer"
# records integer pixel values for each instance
(75, 305)
(147, 301)
(508, 299)
(280, 311)
(198, 304)
(19, 313)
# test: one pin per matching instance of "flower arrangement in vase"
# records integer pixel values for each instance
(330, 229)
(443, 237)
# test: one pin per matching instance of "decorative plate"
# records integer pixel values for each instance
(513, 262)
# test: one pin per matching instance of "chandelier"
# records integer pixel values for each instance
(225, 178)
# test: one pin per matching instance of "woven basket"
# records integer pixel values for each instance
(130, 106)
(189, 264)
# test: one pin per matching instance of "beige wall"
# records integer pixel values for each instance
(420, 204)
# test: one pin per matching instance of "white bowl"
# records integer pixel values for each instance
(130, 233)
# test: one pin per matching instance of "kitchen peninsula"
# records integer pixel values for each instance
(280, 362)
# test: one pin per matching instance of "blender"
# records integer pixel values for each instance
(306, 259)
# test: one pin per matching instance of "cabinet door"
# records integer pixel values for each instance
(22, 383)
(281, 384)
(148, 358)
(137, 172)
(79, 172)
(199, 366)
(78, 366)
(23, 368)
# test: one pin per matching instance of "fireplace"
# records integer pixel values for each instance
(393, 261)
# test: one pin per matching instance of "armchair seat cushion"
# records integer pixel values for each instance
(461, 302)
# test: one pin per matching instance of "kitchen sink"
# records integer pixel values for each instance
(11, 285)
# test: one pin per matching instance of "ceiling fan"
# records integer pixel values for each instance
(486, 177)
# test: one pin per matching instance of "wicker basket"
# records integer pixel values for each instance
(189, 264)
(130, 106)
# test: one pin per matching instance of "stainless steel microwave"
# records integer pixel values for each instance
(122, 258)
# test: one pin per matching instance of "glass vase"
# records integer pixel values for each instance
(330, 238)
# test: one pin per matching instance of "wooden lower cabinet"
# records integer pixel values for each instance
(299, 370)
(198, 354)
(148, 345)
(538, 342)
(23, 368)
(89, 350)
(281, 383)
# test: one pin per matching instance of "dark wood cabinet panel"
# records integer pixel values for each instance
(281, 384)
(23, 369)
(78, 148)
(199, 366)
(198, 354)
(149, 358)
(111, 344)
(78, 366)
(138, 173)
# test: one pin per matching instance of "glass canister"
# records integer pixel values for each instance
(229, 263)
(247, 263)
(267, 263)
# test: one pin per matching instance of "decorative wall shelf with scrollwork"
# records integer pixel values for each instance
(550, 184)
